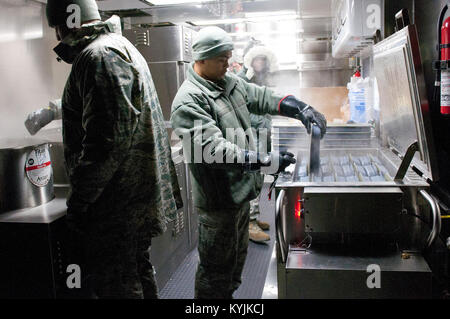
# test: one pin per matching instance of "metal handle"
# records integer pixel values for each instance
(278, 225)
(377, 37)
(402, 19)
(314, 151)
(436, 215)
(406, 161)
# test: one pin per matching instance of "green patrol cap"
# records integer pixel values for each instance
(210, 42)
(58, 11)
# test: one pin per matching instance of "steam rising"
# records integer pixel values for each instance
(30, 74)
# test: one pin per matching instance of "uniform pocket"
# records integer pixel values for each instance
(217, 244)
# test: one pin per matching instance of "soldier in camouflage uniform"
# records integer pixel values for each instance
(124, 187)
(209, 102)
(259, 63)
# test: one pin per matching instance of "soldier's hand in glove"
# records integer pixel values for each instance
(280, 161)
(294, 108)
(272, 163)
(40, 118)
(285, 159)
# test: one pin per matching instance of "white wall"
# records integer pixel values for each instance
(30, 76)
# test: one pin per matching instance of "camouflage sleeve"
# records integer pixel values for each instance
(260, 121)
(108, 119)
(56, 107)
(203, 141)
(261, 100)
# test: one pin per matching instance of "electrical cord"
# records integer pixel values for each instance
(302, 245)
(428, 224)
(444, 281)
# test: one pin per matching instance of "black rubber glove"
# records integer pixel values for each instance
(253, 161)
(284, 159)
(294, 108)
(274, 161)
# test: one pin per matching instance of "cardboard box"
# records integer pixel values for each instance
(331, 101)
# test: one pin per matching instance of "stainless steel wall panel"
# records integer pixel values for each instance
(168, 43)
(31, 76)
(168, 52)
(168, 77)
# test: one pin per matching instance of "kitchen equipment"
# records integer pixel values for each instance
(354, 25)
(314, 151)
(53, 136)
(26, 176)
(359, 209)
(168, 51)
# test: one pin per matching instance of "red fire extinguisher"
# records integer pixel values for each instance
(443, 64)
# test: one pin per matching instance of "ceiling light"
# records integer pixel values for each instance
(268, 14)
(170, 2)
(244, 34)
(240, 20)
(220, 21)
(273, 18)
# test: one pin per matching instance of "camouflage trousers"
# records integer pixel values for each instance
(254, 208)
(115, 261)
(222, 248)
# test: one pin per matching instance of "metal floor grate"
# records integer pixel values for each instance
(181, 284)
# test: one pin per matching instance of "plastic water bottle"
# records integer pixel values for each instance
(357, 99)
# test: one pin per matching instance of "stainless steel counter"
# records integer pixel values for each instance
(33, 250)
(37, 235)
(56, 208)
(271, 285)
(43, 214)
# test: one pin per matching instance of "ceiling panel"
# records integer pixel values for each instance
(315, 8)
(106, 5)
(308, 34)
(220, 9)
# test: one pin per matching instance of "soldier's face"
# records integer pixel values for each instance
(216, 67)
(259, 64)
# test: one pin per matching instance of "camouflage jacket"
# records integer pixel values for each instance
(202, 112)
(116, 145)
